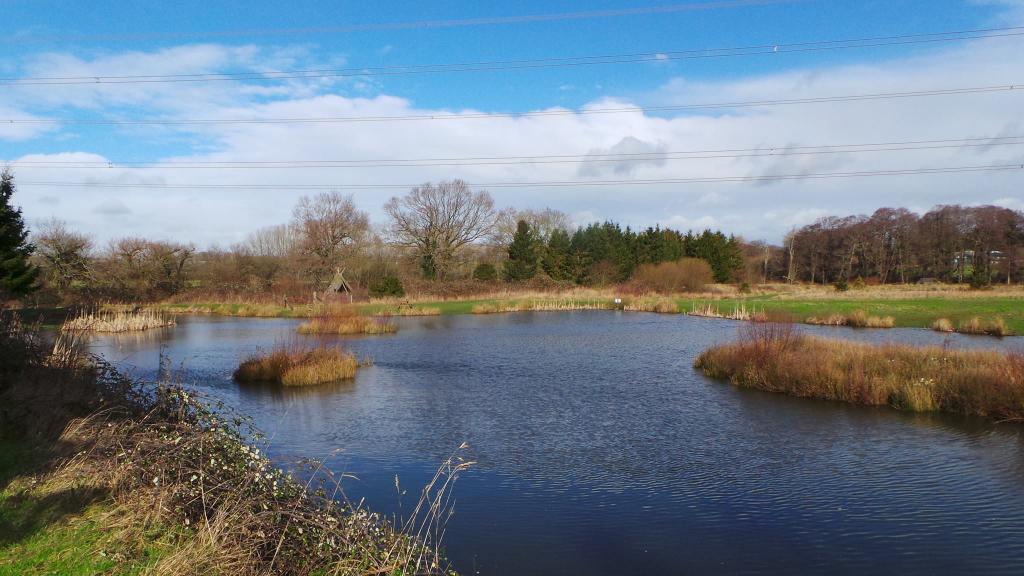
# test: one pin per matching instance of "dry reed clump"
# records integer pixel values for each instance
(855, 319)
(118, 321)
(345, 320)
(738, 312)
(925, 378)
(409, 311)
(297, 366)
(943, 325)
(546, 305)
(994, 327)
(659, 306)
(170, 466)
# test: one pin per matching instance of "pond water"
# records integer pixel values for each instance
(601, 450)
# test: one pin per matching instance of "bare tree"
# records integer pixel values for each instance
(330, 229)
(278, 241)
(438, 222)
(541, 222)
(63, 255)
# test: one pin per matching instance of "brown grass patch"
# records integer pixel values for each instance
(943, 325)
(993, 327)
(114, 321)
(915, 378)
(297, 366)
(345, 320)
(855, 319)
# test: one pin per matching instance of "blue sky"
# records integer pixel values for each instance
(107, 38)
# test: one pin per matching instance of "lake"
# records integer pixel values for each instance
(600, 450)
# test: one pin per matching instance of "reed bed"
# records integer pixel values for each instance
(345, 320)
(992, 327)
(855, 319)
(738, 312)
(775, 358)
(547, 305)
(658, 306)
(943, 325)
(114, 321)
(295, 365)
(408, 311)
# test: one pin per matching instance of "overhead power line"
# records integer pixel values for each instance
(556, 112)
(408, 25)
(591, 157)
(538, 184)
(559, 62)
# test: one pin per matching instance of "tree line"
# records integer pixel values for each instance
(979, 245)
(447, 239)
(437, 237)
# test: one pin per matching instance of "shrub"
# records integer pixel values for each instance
(485, 272)
(841, 285)
(745, 288)
(859, 283)
(388, 286)
(685, 275)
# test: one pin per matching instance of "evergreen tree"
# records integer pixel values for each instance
(557, 262)
(17, 275)
(522, 254)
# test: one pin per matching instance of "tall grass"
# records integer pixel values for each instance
(543, 305)
(345, 320)
(657, 305)
(294, 365)
(993, 327)
(118, 321)
(917, 378)
(855, 319)
(408, 311)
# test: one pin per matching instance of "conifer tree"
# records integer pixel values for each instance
(17, 275)
(522, 254)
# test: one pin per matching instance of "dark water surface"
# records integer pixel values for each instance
(602, 451)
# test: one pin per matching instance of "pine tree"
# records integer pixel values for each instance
(556, 261)
(17, 275)
(522, 254)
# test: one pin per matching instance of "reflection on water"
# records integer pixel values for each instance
(601, 450)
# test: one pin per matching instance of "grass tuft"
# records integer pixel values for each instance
(943, 325)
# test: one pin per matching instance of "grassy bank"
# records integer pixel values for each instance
(775, 358)
(102, 474)
(900, 306)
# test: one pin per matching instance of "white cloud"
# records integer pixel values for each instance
(765, 210)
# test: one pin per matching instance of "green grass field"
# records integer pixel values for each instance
(61, 528)
(909, 313)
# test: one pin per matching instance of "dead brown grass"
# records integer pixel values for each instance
(772, 357)
(345, 320)
(118, 321)
(855, 319)
(295, 365)
(171, 469)
(992, 327)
